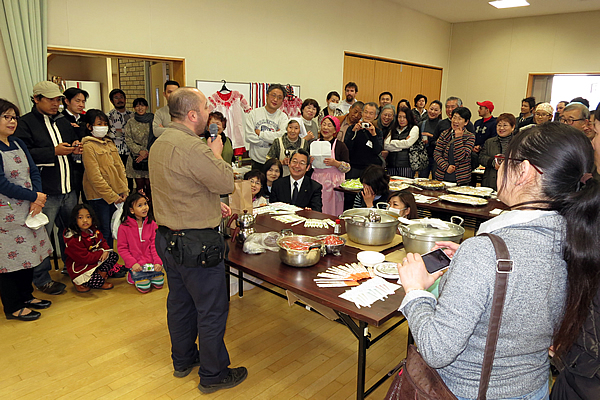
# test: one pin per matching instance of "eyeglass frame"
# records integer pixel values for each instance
(571, 121)
(499, 158)
(9, 118)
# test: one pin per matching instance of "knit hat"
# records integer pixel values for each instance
(334, 121)
(488, 104)
(545, 107)
(47, 89)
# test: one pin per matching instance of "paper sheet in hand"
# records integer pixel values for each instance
(320, 151)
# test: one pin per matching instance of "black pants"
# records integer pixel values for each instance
(197, 309)
(258, 166)
(16, 289)
(569, 386)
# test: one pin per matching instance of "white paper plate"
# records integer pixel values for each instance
(36, 222)
(370, 258)
(388, 270)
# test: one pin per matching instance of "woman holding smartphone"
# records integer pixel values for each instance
(552, 229)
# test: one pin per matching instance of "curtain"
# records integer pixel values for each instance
(23, 24)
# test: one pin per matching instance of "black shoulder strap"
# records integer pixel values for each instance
(504, 266)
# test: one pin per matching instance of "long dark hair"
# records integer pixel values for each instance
(410, 118)
(566, 158)
(129, 202)
(75, 213)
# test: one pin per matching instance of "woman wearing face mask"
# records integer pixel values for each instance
(403, 203)
(333, 100)
(104, 180)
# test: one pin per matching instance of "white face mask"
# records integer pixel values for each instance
(99, 131)
(332, 106)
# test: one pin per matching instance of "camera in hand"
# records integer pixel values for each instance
(148, 267)
(365, 125)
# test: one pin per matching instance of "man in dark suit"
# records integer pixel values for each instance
(297, 189)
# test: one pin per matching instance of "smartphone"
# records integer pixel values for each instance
(435, 260)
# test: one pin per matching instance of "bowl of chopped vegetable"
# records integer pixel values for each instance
(333, 244)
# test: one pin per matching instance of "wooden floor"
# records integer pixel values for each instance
(115, 345)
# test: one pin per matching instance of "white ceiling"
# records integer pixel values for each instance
(479, 10)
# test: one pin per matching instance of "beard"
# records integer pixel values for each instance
(349, 98)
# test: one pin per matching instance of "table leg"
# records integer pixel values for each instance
(240, 284)
(362, 360)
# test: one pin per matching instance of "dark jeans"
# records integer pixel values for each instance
(104, 212)
(58, 210)
(197, 309)
(16, 289)
(430, 168)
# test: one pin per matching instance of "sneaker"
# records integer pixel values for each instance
(121, 273)
(235, 377)
(185, 372)
(52, 287)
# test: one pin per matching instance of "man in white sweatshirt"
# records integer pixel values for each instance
(264, 125)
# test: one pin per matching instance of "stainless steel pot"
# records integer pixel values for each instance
(299, 258)
(370, 226)
(420, 237)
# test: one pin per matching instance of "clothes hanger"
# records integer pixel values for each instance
(224, 87)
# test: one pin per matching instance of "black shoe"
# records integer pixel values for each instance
(32, 316)
(235, 377)
(185, 372)
(38, 306)
(64, 271)
(121, 273)
(52, 287)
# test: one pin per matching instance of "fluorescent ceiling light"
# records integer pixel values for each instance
(509, 3)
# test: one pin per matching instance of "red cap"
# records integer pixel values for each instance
(488, 104)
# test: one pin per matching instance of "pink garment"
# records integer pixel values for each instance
(291, 107)
(330, 178)
(132, 249)
(232, 105)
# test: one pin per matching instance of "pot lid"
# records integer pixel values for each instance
(434, 227)
(384, 216)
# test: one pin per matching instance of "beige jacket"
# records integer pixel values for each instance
(104, 176)
(187, 180)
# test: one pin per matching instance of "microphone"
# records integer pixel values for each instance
(213, 129)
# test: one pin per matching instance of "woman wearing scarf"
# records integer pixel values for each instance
(137, 132)
(505, 124)
(330, 172)
(386, 119)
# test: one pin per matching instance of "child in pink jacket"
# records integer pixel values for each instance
(136, 245)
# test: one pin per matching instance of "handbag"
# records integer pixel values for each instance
(140, 166)
(417, 155)
(418, 381)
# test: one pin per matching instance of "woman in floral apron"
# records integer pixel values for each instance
(332, 171)
(21, 248)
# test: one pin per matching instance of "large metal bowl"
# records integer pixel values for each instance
(361, 228)
(299, 258)
(420, 238)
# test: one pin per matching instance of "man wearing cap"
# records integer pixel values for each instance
(51, 140)
(485, 127)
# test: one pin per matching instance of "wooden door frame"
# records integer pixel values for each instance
(178, 62)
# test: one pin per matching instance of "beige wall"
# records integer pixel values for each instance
(491, 60)
(287, 41)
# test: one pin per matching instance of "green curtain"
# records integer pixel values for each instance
(23, 24)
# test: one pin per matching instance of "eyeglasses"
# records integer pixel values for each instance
(9, 118)
(571, 121)
(543, 115)
(296, 162)
(500, 159)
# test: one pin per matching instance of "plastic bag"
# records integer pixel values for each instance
(258, 243)
(115, 220)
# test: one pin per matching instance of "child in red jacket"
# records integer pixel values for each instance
(136, 244)
(90, 260)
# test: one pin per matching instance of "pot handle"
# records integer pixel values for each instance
(457, 217)
(286, 232)
(314, 246)
(385, 205)
(235, 233)
(231, 219)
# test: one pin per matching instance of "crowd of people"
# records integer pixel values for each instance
(79, 168)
